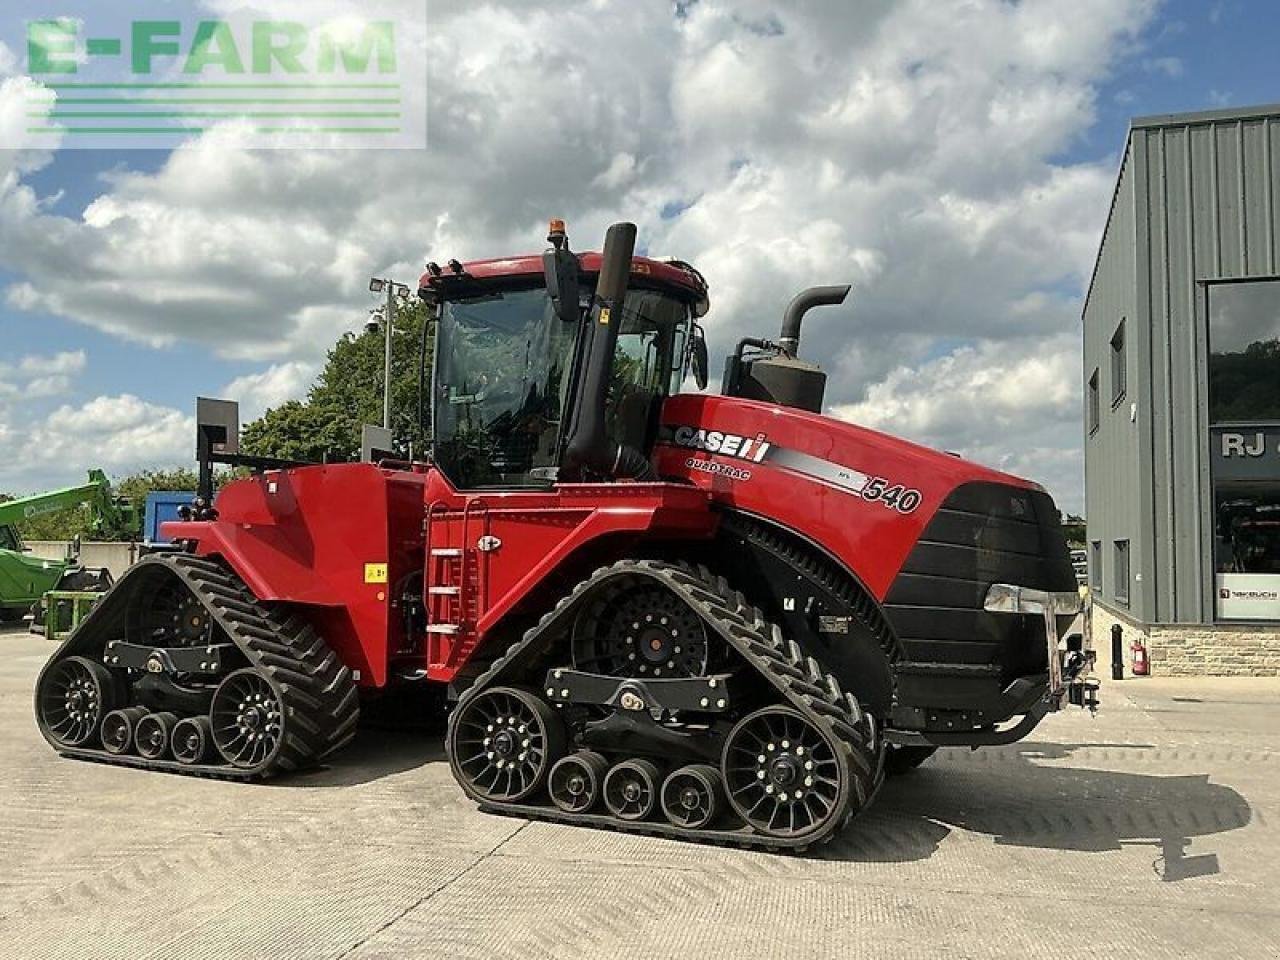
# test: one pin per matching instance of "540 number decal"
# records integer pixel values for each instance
(895, 497)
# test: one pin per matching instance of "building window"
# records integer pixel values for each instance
(1244, 447)
(1094, 417)
(1119, 370)
(1121, 591)
(1095, 567)
(1244, 352)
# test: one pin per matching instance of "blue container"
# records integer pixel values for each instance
(162, 507)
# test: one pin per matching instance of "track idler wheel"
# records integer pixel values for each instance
(191, 739)
(631, 789)
(247, 719)
(575, 781)
(503, 743)
(693, 796)
(152, 734)
(74, 697)
(118, 729)
(783, 774)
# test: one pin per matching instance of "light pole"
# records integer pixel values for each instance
(393, 290)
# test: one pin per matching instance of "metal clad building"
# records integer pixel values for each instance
(1188, 257)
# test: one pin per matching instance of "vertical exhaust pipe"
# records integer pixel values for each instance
(588, 450)
(805, 301)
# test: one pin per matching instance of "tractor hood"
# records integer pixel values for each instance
(850, 488)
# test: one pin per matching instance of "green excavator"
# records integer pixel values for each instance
(25, 579)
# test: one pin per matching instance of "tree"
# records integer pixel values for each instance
(348, 394)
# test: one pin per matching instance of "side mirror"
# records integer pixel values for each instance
(701, 362)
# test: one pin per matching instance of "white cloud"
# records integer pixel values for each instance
(258, 392)
(42, 449)
(1166, 66)
(1012, 405)
(910, 148)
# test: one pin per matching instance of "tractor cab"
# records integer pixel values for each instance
(514, 361)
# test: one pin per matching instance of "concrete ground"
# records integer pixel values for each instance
(1150, 831)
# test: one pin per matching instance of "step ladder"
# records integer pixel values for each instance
(454, 584)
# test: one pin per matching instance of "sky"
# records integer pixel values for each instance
(952, 159)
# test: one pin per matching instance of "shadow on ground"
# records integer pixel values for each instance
(397, 733)
(1012, 796)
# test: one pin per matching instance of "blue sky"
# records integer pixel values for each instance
(1186, 56)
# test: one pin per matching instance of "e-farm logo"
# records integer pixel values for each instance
(353, 77)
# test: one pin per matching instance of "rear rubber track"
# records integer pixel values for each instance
(798, 679)
(316, 690)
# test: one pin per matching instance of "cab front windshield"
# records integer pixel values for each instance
(503, 364)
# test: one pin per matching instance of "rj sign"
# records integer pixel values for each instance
(343, 74)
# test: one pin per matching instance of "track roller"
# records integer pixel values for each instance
(190, 740)
(76, 695)
(693, 796)
(631, 789)
(575, 781)
(504, 742)
(118, 729)
(152, 734)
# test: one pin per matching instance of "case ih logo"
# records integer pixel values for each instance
(753, 449)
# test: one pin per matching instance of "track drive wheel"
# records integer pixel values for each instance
(503, 742)
(631, 789)
(74, 697)
(785, 776)
(693, 796)
(575, 781)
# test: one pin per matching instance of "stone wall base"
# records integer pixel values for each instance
(1188, 649)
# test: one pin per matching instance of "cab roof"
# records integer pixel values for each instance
(673, 275)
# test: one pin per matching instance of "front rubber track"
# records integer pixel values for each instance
(799, 681)
(316, 690)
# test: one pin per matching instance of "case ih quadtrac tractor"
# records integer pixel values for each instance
(709, 617)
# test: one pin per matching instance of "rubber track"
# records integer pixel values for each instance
(799, 680)
(316, 690)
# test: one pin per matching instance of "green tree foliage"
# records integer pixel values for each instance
(348, 394)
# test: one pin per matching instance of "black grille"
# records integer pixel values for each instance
(984, 533)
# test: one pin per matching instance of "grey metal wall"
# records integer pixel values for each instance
(1204, 207)
(1115, 489)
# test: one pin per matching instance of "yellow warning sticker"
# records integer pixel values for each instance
(605, 313)
(375, 573)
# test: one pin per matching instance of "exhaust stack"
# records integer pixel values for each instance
(805, 301)
(588, 451)
(775, 374)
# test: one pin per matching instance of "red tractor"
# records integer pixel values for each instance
(707, 617)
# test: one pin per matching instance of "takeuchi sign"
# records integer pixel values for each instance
(1248, 596)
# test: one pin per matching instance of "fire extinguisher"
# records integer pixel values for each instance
(1138, 653)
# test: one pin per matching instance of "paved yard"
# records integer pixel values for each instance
(1148, 832)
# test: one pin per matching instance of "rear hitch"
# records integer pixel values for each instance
(1070, 670)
